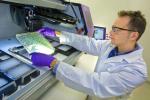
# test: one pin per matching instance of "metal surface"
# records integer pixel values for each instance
(25, 91)
(13, 21)
(7, 27)
(55, 4)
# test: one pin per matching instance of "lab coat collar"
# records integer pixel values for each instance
(130, 57)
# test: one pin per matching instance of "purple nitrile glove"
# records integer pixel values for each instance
(40, 59)
(46, 31)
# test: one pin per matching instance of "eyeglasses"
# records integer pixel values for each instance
(116, 29)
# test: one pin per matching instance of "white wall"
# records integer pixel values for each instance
(105, 11)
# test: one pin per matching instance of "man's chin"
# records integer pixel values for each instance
(112, 42)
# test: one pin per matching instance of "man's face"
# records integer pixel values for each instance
(119, 34)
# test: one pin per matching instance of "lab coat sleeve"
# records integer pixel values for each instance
(82, 43)
(103, 85)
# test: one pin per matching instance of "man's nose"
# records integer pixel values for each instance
(111, 34)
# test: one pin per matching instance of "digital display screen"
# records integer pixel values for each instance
(99, 33)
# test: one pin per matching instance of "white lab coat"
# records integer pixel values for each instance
(116, 76)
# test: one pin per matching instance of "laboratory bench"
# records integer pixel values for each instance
(19, 79)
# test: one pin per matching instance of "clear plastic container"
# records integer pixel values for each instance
(3, 82)
(19, 71)
(8, 64)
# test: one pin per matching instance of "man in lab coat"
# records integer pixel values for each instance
(120, 67)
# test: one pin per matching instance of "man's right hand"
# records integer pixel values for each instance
(41, 60)
(46, 31)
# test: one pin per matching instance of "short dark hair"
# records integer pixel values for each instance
(137, 21)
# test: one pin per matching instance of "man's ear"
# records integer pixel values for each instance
(134, 35)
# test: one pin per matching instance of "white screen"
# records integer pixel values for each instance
(99, 33)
